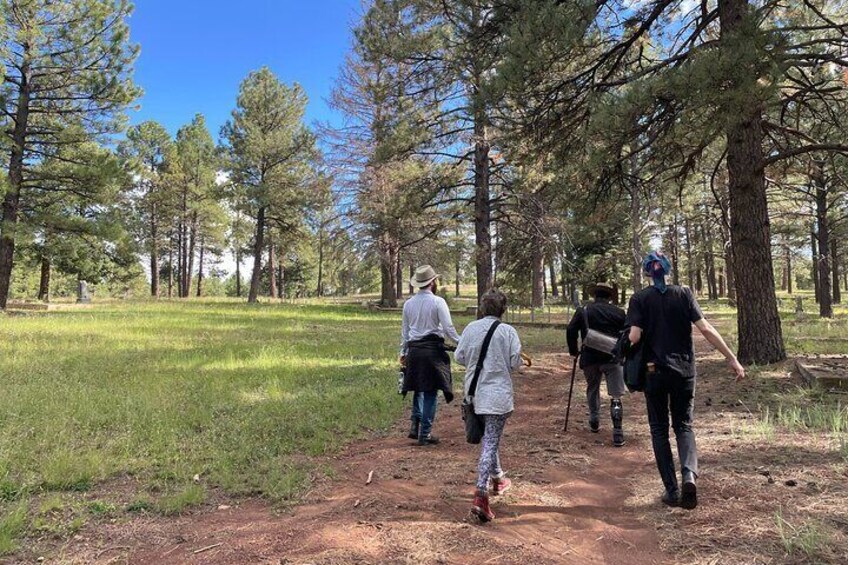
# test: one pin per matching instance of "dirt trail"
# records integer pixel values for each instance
(572, 500)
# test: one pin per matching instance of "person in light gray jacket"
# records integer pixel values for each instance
(493, 399)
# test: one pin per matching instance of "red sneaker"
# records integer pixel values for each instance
(500, 486)
(481, 507)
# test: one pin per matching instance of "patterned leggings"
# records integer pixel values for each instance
(490, 461)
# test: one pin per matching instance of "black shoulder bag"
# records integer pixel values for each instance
(474, 424)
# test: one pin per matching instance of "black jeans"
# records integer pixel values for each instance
(666, 389)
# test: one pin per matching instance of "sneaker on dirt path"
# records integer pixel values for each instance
(500, 486)
(594, 426)
(481, 507)
(429, 439)
(618, 438)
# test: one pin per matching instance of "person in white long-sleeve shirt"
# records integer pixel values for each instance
(493, 398)
(426, 323)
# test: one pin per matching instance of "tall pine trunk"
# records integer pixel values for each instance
(635, 237)
(552, 274)
(272, 269)
(482, 202)
(154, 252)
(834, 259)
(44, 282)
(388, 272)
(12, 198)
(192, 243)
(238, 271)
(690, 261)
(538, 276)
(171, 265)
(824, 275)
(759, 329)
(787, 251)
(399, 277)
(319, 291)
(200, 270)
(258, 247)
(814, 274)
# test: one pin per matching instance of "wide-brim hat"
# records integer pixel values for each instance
(610, 287)
(424, 275)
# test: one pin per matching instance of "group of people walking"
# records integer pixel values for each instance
(658, 322)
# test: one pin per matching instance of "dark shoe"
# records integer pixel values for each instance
(429, 439)
(689, 494)
(413, 430)
(618, 438)
(617, 415)
(671, 498)
(594, 426)
(481, 507)
(500, 486)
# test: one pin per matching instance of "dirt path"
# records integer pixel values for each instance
(572, 501)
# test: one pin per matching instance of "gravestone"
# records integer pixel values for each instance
(83, 296)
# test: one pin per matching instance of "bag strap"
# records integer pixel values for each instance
(483, 351)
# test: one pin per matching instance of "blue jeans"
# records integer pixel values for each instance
(424, 409)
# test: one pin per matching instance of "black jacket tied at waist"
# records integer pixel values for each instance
(428, 367)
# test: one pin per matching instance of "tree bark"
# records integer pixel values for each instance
(11, 200)
(759, 329)
(482, 202)
(238, 271)
(674, 243)
(834, 256)
(388, 272)
(824, 275)
(320, 290)
(635, 238)
(815, 269)
(154, 252)
(457, 278)
(44, 283)
(192, 243)
(552, 273)
(538, 276)
(787, 257)
(171, 265)
(690, 262)
(258, 247)
(200, 270)
(272, 269)
(399, 277)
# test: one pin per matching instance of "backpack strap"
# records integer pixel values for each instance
(483, 351)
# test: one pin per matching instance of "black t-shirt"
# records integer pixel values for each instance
(666, 321)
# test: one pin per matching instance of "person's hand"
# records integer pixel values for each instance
(738, 369)
(526, 359)
(402, 361)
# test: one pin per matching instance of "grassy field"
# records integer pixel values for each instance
(155, 406)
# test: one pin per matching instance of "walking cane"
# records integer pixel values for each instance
(570, 390)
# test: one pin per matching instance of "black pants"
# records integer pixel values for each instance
(668, 390)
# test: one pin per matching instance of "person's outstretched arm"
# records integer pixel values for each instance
(712, 335)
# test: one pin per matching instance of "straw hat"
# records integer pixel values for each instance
(424, 275)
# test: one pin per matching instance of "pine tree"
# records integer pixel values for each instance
(65, 63)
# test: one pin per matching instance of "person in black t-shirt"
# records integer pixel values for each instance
(663, 315)
(607, 318)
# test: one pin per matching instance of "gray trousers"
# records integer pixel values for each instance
(614, 374)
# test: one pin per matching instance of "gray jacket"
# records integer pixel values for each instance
(494, 388)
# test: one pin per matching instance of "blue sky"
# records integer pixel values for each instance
(194, 53)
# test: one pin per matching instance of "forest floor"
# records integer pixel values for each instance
(771, 491)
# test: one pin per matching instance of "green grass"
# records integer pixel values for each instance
(806, 539)
(239, 395)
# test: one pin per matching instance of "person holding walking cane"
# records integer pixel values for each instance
(604, 318)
